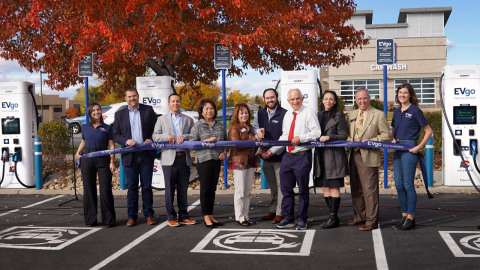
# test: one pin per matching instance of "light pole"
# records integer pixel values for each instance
(41, 92)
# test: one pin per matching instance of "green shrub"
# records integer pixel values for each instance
(55, 141)
(435, 121)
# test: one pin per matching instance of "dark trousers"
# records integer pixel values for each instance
(208, 172)
(176, 177)
(364, 187)
(90, 167)
(140, 169)
(295, 170)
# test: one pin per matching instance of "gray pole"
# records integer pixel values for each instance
(41, 93)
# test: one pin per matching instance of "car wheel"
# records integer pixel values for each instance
(75, 127)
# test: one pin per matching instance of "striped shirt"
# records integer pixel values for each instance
(201, 130)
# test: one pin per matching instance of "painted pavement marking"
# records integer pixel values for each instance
(31, 205)
(257, 241)
(462, 243)
(137, 241)
(46, 238)
(380, 256)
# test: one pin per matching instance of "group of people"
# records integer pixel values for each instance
(284, 167)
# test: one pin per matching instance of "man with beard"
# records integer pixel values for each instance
(268, 124)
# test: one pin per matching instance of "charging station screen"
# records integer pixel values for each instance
(465, 115)
(10, 125)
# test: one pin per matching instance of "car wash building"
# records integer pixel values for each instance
(420, 48)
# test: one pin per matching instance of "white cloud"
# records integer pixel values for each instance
(10, 66)
(450, 44)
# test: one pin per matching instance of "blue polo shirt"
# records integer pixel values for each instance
(407, 124)
(97, 137)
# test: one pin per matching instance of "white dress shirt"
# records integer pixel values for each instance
(307, 128)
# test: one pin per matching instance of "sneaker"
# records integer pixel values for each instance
(285, 224)
(173, 223)
(301, 225)
(187, 221)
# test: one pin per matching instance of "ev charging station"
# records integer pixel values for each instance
(19, 129)
(460, 88)
(154, 91)
(307, 82)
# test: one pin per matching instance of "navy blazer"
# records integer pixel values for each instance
(122, 131)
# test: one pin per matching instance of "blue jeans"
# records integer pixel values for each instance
(140, 169)
(404, 167)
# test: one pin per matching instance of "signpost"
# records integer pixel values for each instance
(85, 69)
(385, 56)
(223, 60)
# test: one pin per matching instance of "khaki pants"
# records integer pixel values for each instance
(243, 180)
(271, 170)
(364, 188)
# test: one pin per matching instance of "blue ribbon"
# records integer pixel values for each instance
(228, 144)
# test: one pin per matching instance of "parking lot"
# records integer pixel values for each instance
(36, 232)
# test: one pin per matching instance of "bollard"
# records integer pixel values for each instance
(429, 160)
(38, 163)
(264, 184)
(122, 175)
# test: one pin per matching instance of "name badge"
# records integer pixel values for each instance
(408, 115)
(275, 121)
(243, 130)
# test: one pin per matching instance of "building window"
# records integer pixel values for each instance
(347, 89)
(57, 108)
(45, 107)
(424, 88)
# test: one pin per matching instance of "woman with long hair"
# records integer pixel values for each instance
(330, 163)
(407, 122)
(243, 162)
(97, 136)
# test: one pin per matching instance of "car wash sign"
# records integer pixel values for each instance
(385, 52)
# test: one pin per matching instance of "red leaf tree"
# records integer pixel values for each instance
(174, 38)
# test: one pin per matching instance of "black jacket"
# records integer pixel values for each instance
(331, 161)
(122, 131)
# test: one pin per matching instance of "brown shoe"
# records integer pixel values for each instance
(277, 219)
(173, 223)
(355, 223)
(187, 221)
(368, 227)
(269, 216)
(150, 221)
(131, 223)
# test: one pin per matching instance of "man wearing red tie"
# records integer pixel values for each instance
(300, 124)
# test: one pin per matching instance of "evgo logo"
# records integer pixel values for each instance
(9, 105)
(464, 91)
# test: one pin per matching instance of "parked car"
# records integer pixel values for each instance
(75, 124)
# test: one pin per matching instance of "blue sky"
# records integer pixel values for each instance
(462, 31)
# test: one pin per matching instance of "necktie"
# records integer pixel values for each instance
(358, 128)
(292, 129)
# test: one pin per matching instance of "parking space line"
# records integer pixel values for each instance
(380, 256)
(137, 241)
(31, 205)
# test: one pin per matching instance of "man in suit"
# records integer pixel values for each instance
(300, 124)
(133, 126)
(365, 124)
(175, 127)
(268, 125)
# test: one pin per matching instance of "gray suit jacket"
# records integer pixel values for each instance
(163, 128)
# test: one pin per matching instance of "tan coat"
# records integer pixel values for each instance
(375, 128)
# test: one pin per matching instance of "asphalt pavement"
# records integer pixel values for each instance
(35, 232)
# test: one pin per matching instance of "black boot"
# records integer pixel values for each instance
(409, 224)
(400, 223)
(327, 200)
(334, 220)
